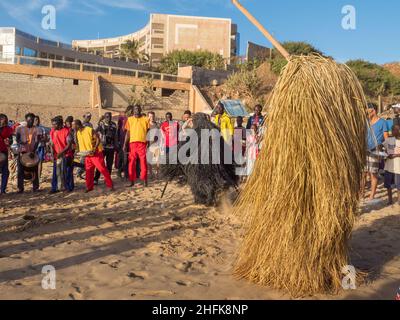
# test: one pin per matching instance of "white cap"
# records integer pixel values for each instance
(396, 106)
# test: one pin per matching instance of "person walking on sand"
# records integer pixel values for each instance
(377, 134)
(136, 128)
(89, 145)
(392, 164)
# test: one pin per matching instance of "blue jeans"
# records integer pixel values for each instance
(5, 173)
(63, 175)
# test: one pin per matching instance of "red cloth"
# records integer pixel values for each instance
(6, 133)
(96, 162)
(59, 138)
(138, 150)
(170, 131)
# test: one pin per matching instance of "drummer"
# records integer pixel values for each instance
(88, 144)
(28, 140)
(5, 135)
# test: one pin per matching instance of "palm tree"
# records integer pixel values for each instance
(130, 51)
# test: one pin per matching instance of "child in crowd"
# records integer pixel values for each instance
(252, 149)
(392, 165)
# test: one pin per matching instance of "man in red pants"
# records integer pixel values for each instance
(136, 128)
(88, 144)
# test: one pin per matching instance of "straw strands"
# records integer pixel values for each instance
(299, 205)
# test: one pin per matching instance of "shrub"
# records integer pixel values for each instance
(204, 59)
(375, 79)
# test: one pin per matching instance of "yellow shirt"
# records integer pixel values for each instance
(138, 128)
(86, 140)
(226, 125)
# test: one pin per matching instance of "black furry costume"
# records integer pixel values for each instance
(206, 181)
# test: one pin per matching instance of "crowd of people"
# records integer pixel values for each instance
(123, 145)
(95, 151)
(383, 152)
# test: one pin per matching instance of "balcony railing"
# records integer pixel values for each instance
(57, 64)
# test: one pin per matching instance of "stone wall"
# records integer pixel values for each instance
(45, 96)
(204, 77)
(56, 92)
(116, 97)
(52, 96)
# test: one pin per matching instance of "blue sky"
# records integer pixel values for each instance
(376, 38)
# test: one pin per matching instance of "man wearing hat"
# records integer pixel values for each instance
(5, 135)
(86, 120)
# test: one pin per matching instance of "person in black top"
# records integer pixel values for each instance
(257, 118)
(108, 131)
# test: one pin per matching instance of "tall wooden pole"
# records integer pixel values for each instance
(264, 31)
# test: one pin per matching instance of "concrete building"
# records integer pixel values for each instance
(165, 33)
(15, 43)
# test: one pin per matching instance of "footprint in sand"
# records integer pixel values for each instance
(139, 275)
(154, 293)
(184, 283)
(114, 264)
(185, 266)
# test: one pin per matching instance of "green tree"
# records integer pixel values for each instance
(294, 48)
(204, 59)
(375, 79)
(130, 51)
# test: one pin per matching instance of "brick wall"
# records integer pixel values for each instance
(51, 96)
(56, 92)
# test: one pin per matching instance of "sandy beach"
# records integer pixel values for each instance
(130, 244)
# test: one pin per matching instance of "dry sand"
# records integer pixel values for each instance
(132, 245)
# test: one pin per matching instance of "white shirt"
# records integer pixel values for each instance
(392, 146)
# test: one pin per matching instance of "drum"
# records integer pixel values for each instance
(29, 161)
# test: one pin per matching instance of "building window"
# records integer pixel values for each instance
(157, 26)
(167, 92)
(18, 51)
(76, 82)
(30, 52)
